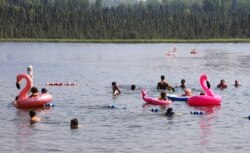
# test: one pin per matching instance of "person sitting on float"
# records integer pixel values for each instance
(188, 92)
(163, 96)
(34, 92)
(222, 84)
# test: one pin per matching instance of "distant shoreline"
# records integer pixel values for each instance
(236, 40)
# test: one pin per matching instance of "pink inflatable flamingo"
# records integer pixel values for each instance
(24, 101)
(209, 99)
(154, 101)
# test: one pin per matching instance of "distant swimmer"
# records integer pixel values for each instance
(116, 91)
(171, 53)
(133, 87)
(236, 83)
(183, 86)
(222, 84)
(74, 123)
(193, 52)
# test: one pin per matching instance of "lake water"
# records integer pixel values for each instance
(134, 129)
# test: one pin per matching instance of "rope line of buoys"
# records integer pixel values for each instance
(61, 84)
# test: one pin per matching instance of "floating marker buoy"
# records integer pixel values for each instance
(111, 106)
(154, 110)
(196, 112)
(49, 105)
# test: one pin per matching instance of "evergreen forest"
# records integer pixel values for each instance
(85, 19)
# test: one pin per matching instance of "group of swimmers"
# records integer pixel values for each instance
(173, 52)
(34, 119)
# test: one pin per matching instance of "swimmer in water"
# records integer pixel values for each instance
(115, 89)
(183, 86)
(188, 92)
(236, 83)
(33, 117)
(163, 85)
(74, 123)
(169, 112)
(222, 84)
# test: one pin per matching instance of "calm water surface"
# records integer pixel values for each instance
(134, 129)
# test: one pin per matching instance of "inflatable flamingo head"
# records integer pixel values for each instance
(25, 76)
(206, 86)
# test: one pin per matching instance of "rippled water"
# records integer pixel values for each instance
(136, 128)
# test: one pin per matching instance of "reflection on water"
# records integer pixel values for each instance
(134, 129)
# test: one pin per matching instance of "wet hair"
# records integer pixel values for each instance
(113, 83)
(162, 77)
(32, 113)
(182, 80)
(132, 87)
(74, 123)
(34, 90)
(44, 90)
(169, 112)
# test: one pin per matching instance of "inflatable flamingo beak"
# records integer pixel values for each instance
(18, 85)
(208, 84)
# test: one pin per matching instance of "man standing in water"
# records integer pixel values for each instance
(163, 85)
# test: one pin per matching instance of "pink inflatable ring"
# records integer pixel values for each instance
(209, 99)
(24, 101)
(154, 101)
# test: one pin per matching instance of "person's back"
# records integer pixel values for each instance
(162, 85)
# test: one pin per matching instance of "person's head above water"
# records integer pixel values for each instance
(133, 87)
(169, 112)
(32, 113)
(162, 77)
(34, 90)
(182, 81)
(74, 123)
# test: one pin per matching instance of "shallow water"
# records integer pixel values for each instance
(134, 129)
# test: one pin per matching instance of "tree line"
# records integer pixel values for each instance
(80, 19)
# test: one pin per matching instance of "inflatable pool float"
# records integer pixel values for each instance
(154, 101)
(177, 98)
(25, 101)
(209, 99)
